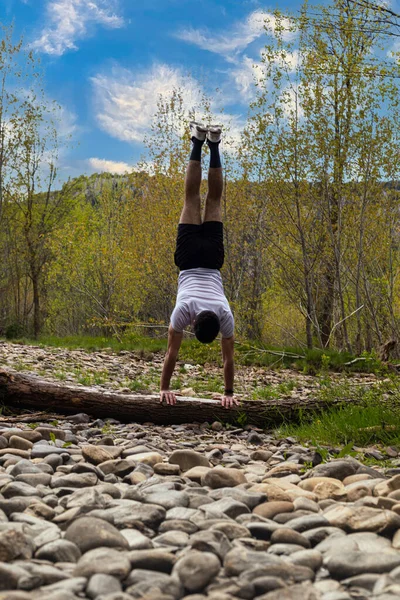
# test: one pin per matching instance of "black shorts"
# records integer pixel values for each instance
(200, 246)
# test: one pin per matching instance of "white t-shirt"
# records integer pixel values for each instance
(201, 289)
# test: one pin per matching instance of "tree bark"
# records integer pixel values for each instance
(36, 306)
(18, 390)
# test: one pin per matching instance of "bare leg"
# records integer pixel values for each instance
(213, 201)
(191, 213)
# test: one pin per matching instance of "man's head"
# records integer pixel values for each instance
(206, 326)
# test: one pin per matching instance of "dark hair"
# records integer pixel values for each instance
(206, 326)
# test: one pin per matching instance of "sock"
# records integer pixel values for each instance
(215, 159)
(196, 149)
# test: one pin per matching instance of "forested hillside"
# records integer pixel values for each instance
(311, 202)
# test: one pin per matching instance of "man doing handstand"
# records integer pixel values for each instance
(199, 255)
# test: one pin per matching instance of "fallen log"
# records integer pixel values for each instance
(23, 391)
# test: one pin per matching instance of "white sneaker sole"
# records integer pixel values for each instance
(214, 133)
(198, 130)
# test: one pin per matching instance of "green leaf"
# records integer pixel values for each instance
(347, 451)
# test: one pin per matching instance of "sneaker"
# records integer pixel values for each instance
(198, 130)
(214, 133)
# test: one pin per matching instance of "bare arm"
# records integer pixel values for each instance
(174, 343)
(227, 347)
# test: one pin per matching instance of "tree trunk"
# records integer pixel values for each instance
(326, 317)
(36, 307)
(19, 390)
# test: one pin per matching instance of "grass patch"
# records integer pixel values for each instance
(90, 377)
(267, 392)
(373, 418)
(140, 384)
(273, 392)
(61, 375)
(20, 366)
(95, 344)
(209, 385)
(386, 463)
(135, 385)
(310, 362)
(108, 429)
(176, 383)
(194, 352)
(286, 387)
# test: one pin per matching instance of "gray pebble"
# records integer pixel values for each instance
(59, 551)
(102, 584)
(103, 560)
(88, 533)
(196, 569)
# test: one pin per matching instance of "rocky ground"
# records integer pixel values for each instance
(140, 372)
(113, 511)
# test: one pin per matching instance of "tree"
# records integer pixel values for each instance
(93, 281)
(28, 169)
(17, 71)
(325, 99)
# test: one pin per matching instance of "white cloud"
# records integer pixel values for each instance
(233, 126)
(245, 75)
(239, 37)
(247, 72)
(67, 128)
(109, 166)
(57, 126)
(125, 102)
(70, 20)
(292, 60)
(66, 123)
(101, 165)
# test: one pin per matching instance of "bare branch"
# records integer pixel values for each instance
(340, 322)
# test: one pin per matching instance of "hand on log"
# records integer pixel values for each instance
(168, 396)
(229, 401)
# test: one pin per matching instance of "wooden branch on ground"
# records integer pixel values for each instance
(282, 354)
(29, 416)
(22, 391)
(358, 359)
(382, 427)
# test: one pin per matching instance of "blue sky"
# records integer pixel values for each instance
(106, 61)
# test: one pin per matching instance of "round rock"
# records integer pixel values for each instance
(348, 564)
(268, 510)
(102, 584)
(14, 544)
(223, 477)
(59, 551)
(99, 454)
(103, 560)
(289, 536)
(154, 559)
(196, 569)
(88, 533)
(187, 459)
(166, 469)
